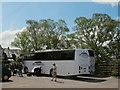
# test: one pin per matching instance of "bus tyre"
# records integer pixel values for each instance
(37, 71)
(25, 70)
(29, 74)
(51, 72)
(5, 77)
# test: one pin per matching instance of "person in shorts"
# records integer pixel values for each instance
(54, 72)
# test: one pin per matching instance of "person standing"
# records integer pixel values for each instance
(20, 67)
(54, 72)
(12, 67)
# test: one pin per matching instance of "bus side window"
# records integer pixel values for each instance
(50, 56)
(68, 55)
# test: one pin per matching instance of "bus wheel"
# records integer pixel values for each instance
(29, 74)
(37, 71)
(5, 77)
(25, 70)
(51, 72)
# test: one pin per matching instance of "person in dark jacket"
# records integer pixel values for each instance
(20, 67)
(12, 67)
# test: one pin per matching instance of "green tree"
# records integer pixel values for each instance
(33, 29)
(22, 41)
(43, 34)
(72, 41)
(52, 33)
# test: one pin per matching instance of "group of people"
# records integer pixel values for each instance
(16, 68)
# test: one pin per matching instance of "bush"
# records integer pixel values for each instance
(114, 73)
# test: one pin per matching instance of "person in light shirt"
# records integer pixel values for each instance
(54, 72)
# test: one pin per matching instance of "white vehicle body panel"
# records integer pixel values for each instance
(82, 64)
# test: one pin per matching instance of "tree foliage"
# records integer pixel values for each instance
(22, 41)
(43, 34)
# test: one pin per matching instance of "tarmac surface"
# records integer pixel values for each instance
(45, 82)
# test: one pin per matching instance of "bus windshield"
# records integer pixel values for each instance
(91, 53)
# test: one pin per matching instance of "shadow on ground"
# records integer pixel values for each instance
(7, 81)
(85, 78)
(58, 81)
(88, 79)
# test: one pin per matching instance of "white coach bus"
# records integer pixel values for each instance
(68, 62)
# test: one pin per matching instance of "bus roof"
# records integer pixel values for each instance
(54, 50)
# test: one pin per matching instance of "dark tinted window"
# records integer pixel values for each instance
(67, 55)
(59, 55)
(56, 55)
(41, 56)
(91, 53)
(51, 55)
(29, 56)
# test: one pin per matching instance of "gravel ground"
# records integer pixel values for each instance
(45, 82)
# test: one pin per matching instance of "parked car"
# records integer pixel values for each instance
(6, 73)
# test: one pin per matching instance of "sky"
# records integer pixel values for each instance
(15, 14)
